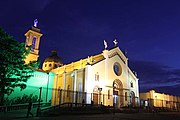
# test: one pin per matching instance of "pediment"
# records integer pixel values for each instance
(119, 53)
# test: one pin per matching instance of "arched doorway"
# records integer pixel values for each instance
(95, 95)
(132, 98)
(118, 93)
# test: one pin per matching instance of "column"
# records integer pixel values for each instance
(64, 87)
(74, 85)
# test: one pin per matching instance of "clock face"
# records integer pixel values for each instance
(117, 69)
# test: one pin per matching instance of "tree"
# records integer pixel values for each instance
(13, 70)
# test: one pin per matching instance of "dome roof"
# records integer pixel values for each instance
(53, 58)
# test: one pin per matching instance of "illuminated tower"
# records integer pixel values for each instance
(33, 39)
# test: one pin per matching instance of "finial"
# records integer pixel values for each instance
(88, 60)
(105, 44)
(115, 42)
(54, 52)
(35, 22)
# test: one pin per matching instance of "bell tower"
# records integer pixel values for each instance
(33, 36)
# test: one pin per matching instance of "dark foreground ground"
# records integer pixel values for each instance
(119, 116)
(21, 115)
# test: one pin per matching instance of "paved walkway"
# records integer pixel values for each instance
(21, 115)
(16, 114)
(119, 116)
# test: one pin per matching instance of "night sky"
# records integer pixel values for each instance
(149, 30)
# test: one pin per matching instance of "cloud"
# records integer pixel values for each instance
(156, 76)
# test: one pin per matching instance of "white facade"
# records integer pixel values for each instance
(107, 76)
(104, 78)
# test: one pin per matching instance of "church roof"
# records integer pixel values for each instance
(54, 58)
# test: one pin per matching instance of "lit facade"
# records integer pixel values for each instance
(104, 79)
(39, 79)
(154, 99)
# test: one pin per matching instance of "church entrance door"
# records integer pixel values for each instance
(95, 95)
(95, 98)
(132, 98)
(117, 93)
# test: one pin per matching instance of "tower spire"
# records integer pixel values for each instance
(33, 36)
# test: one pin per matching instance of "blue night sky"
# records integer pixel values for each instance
(147, 29)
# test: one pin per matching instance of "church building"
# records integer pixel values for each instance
(104, 78)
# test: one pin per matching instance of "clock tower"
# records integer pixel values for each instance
(33, 36)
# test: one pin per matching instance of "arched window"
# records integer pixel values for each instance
(33, 43)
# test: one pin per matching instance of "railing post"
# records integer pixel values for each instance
(76, 98)
(91, 96)
(103, 99)
(38, 109)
